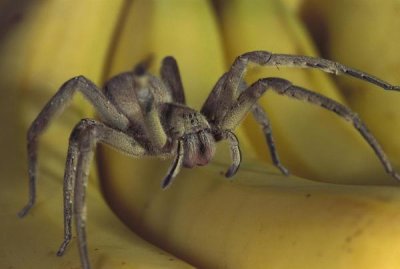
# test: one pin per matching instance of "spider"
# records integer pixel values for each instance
(143, 115)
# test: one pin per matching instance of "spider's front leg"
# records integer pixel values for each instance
(214, 110)
(249, 97)
(230, 88)
(265, 58)
(157, 136)
(150, 102)
(83, 140)
(262, 119)
(218, 107)
(55, 106)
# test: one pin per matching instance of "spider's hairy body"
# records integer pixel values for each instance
(191, 126)
(145, 115)
(134, 95)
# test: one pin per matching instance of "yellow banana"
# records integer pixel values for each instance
(43, 44)
(262, 219)
(313, 142)
(369, 44)
(293, 5)
(265, 220)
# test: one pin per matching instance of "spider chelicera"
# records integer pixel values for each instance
(143, 115)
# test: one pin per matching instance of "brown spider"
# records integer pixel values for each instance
(142, 115)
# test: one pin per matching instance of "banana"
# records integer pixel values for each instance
(262, 219)
(44, 43)
(313, 142)
(365, 49)
(293, 5)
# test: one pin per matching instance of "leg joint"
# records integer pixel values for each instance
(279, 85)
(85, 134)
(258, 57)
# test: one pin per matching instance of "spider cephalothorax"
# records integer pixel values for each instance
(143, 115)
(193, 130)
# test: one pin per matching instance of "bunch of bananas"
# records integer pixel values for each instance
(260, 220)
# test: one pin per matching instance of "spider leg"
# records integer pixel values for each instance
(329, 67)
(69, 183)
(55, 106)
(171, 77)
(211, 106)
(230, 90)
(235, 153)
(211, 109)
(151, 119)
(143, 66)
(261, 117)
(83, 141)
(175, 167)
(265, 58)
(250, 96)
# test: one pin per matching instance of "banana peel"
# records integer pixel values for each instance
(261, 219)
(292, 5)
(43, 44)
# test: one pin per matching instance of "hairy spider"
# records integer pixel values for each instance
(143, 115)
